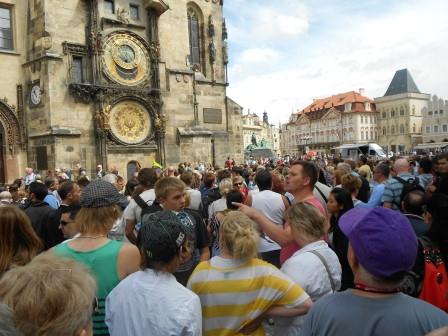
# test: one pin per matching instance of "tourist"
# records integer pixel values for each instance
(272, 205)
(50, 296)
(315, 267)
(339, 202)
(392, 191)
(225, 186)
(142, 197)
(109, 261)
(382, 249)
(380, 176)
(240, 305)
(151, 301)
(19, 243)
(352, 184)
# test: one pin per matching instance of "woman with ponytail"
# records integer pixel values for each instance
(237, 290)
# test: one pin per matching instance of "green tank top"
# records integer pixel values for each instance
(102, 262)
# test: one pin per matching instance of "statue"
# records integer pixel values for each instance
(225, 53)
(106, 117)
(263, 143)
(224, 30)
(123, 15)
(211, 27)
(160, 122)
(212, 51)
(254, 140)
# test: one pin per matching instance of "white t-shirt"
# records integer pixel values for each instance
(272, 206)
(218, 205)
(308, 271)
(133, 210)
(153, 303)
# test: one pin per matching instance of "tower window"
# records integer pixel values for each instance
(109, 6)
(134, 12)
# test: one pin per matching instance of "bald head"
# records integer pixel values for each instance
(401, 166)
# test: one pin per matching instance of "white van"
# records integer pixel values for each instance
(354, 151)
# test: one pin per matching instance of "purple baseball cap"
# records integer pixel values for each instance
(383, 240)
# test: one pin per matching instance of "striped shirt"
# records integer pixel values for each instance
(235, 292)
(393, 188)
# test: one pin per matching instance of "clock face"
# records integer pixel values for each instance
(125, 59)
(130, 122)
(36, 95)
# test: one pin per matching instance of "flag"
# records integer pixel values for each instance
(155, 164)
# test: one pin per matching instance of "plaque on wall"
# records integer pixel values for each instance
(130, 122)
(212, 116)
(126, 59)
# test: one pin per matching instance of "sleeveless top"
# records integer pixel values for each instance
(102, 262)
(271, 205)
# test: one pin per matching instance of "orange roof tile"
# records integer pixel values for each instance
(335, 101)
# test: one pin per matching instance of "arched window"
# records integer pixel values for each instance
(413, 128)
(195, 38)
(392, 113)
(401, 110)
(392, 130)
(384, 130)
(362, 135)
(401, 129)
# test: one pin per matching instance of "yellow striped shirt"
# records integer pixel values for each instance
(235, 292)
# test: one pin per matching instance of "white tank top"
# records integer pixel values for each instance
(271, 205)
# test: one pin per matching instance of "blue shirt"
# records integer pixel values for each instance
(392, 190)
(376, 197)
(51, 200)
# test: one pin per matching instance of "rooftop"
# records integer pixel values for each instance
(402, 83)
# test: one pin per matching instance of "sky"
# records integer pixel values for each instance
(285, 53)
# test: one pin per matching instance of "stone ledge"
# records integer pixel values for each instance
(56, 130)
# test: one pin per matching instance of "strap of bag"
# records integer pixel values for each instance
(317, 254)
(321, 193)
(140, 202)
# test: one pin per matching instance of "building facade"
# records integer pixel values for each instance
(435, 121)
(326, 123)
(114, 82)
(400, 114)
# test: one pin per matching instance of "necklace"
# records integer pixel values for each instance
(92, 237)
(368, 289)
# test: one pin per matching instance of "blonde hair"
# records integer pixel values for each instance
(351, 183)
(239, 235)
(49, 296)
(97, 219)
(166, 185)
(18, 241)
(225, 186)
(307, 219)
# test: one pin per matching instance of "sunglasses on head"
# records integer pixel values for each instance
(95, 306)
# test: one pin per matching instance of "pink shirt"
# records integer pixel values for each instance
(288, 250)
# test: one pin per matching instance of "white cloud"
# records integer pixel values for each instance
(258, 55)
(330, 55)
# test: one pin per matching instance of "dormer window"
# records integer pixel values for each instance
(367, 106)
(348, 107)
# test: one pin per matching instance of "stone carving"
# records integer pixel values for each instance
(11, 124)
(106, 117)
(224, 30)
(154, 49)
(225, 53)
(212, 51)
(211, 27)
(123, 15)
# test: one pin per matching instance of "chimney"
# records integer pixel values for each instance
(361, 91)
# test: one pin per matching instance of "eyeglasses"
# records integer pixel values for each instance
(64, 223)
(238, 184)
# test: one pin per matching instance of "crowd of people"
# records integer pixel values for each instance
(300, 247)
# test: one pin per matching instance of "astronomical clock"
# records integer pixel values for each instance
(129, 122)
(126, 59)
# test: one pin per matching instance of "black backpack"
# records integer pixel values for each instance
(409, 185)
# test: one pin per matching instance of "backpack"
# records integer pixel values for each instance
(409, 185)
(431, 282)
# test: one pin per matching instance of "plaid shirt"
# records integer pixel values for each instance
(392, 190)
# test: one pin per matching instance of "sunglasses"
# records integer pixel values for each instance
(64, 223)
